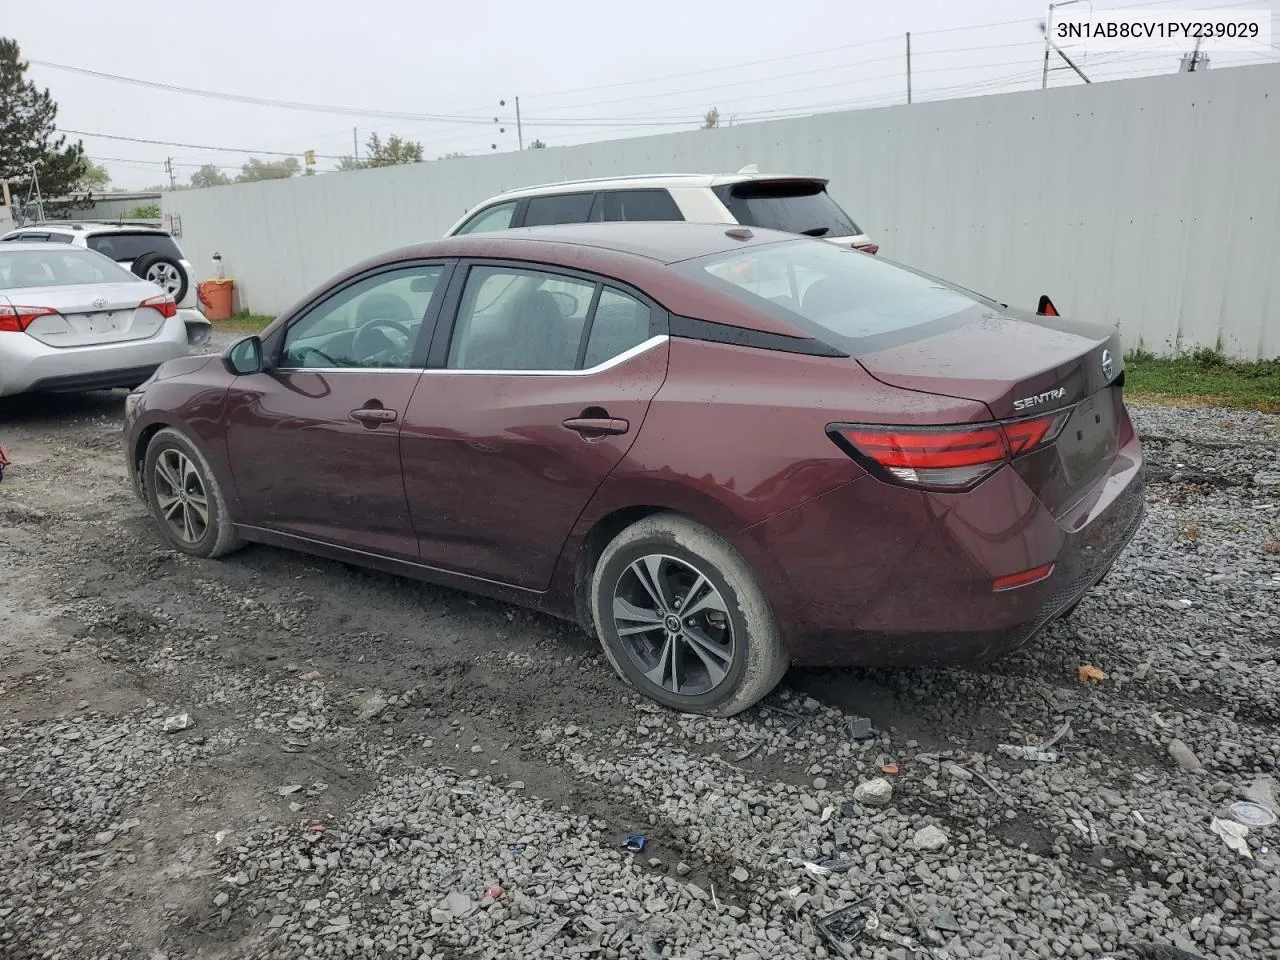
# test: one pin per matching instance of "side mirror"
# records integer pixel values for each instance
(244, 356)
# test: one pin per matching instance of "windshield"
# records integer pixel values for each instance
(794, 206)
(812, 283)
(57, 267)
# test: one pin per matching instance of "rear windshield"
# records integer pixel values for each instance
(827, 289)
(131, 246)
(56, 267)
(796, 206)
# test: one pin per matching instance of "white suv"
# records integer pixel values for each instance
(793, 204)
(147, 252)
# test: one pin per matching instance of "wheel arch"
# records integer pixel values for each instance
(616, 507)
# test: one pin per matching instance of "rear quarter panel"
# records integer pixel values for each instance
(737, 435)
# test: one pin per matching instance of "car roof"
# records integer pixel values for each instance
(92, 226)
(662, 241)
(647, 181)
(30, 245)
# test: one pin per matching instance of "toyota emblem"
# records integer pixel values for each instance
(1107, 365)
(99, 302)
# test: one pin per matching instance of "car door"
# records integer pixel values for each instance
(536, 387)
(314, 440)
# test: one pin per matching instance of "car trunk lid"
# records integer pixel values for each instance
(90, 314)
(1023, 366)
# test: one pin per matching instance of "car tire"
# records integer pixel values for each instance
(726, 657)
(165, 272)
(185, 498)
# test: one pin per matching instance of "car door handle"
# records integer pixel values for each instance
(597, 425)
(373, 416)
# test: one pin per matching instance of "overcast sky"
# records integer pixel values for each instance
(615, 68)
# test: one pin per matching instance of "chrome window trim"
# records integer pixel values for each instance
(623, 357)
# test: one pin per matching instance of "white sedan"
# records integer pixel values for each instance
(72, 319)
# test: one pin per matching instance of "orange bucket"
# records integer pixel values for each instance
(216, 296)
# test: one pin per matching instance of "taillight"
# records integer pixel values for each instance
(872, 248)
(163, 302)
(17, 319)
(953, 457)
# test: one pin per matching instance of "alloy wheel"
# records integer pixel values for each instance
(181, 496)
(674, 624)
(165, 276)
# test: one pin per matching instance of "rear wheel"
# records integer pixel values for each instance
(682, 619)
(185, 498)
(165, 272)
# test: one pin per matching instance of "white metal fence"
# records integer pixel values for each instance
(1153, 204)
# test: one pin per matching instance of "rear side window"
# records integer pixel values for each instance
(497, 217)
(825, 289)
(558, 208)
(796, 206)
(620, 323)
(622, 205)
(131, 246)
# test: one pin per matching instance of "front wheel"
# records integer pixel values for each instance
(185, 498)
(683, 620)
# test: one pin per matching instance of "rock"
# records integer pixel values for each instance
(740, 874)
(439, 916)
(874, 793)
(809, 804)
(1267, 478)
(458, 904)
(929, 838)
(860, 728)
(289, 788)
(220, 900)
(372, 707)
(1264, 791)
(1183, 757)
(179, 721)
(683, 869)
(516, 785)
(105, 837)
(819, 783)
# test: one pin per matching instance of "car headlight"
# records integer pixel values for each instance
(132, 401)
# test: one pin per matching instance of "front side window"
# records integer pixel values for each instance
(827, 289)
(373, 324)
(558, 208)
(626, 205)
(57, 267)
(497, 217)
(515, 319)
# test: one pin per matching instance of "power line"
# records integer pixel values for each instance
(195, 146)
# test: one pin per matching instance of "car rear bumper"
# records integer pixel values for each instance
(879, 575)
(27, 365)
(199, 328)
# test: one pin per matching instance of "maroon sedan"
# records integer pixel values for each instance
(721, 451)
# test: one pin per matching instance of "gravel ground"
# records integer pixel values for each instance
(379, 768)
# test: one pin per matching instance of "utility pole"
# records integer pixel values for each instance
(908, 66)
(1195, 57)
(1051, 47)
(355, 145)
(168, 165)
(520, 128)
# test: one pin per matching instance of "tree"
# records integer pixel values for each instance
(209, 176)
(452, 155)
(390, 154)
(711, 120)
(538, 145)
(27, 134)
(95, 178)
(148, 211)
(257, 169)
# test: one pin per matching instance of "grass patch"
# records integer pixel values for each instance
(1203, 378)
(242, 322)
